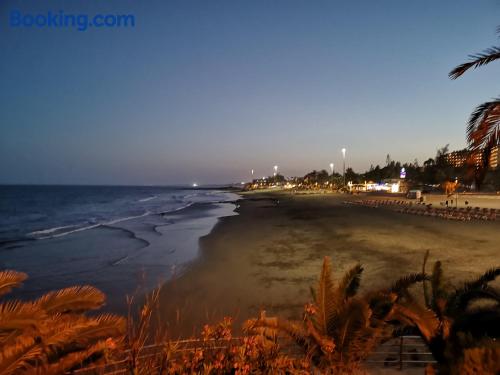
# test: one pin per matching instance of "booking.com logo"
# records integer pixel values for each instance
(81, 22)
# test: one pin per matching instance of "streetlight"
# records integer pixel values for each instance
(343, 156)
(331, 168)
(275, 170)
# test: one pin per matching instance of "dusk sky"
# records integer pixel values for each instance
(207, 90)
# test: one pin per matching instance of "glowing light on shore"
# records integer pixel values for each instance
(195, 184)
(395, 188)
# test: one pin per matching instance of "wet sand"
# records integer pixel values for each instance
(269, 255)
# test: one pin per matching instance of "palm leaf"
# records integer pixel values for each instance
(423, 319)
(75, 360)
(22, 356)
(469, 290)
(484, 279)
(326, 299)
(15, 315)
(477, 60)
(400, 286)
(484, 293)
(82, 332)
(72, 300)
(483, 128)
(427, 298)
(381, 304)
(356, 335)
(10, 280)
(349, 284)
(438, 290)
(293, 330)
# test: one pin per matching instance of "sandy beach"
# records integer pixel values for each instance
(269, 255)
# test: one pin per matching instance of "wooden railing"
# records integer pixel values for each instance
(401, 352)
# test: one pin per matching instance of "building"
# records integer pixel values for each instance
(458, 158)
(494, 158)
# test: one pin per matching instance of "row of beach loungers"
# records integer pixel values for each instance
(420, 208)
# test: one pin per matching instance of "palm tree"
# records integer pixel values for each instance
(51, 335)
(460, 325)
(484, 123)
(340, 329)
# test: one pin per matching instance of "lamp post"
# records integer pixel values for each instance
(331, 168)
(343, 156)
(275, 170)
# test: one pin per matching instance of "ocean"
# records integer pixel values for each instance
(124, 240)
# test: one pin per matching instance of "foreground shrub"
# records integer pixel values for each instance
(51, 335)
(148, 350)
(340, 329)
(461, 325)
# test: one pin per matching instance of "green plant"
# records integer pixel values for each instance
(460, 325)
(484, 125)
(51, 335)
(339, 328)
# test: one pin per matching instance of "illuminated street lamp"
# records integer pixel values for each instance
(331, 168)
(275, 170)
(343, 156)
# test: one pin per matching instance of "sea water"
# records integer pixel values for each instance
(122, 239)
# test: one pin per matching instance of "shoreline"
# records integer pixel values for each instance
(269, 255)
(124, 257)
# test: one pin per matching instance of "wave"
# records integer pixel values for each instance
(50, 230)
(69, 232)
(177, 209)
(126, 218)
(47, 231)
(147, 199)
(60, 231)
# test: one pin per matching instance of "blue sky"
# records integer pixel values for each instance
(207, 90)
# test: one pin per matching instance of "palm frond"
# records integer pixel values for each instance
(22, 356)
(74, 360)
(485, 278)
(10, 280)
(438, 290)
(349, 284)
(82, 332)
(402, 284)
(484, 293)
(483, 127)
(477, 60)
(423, 319)
(16, 315)
(326, 299)
(427, 298)
(355, 320)
(72, 300)
(293, 330)
(461, 296)
(381, 304)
